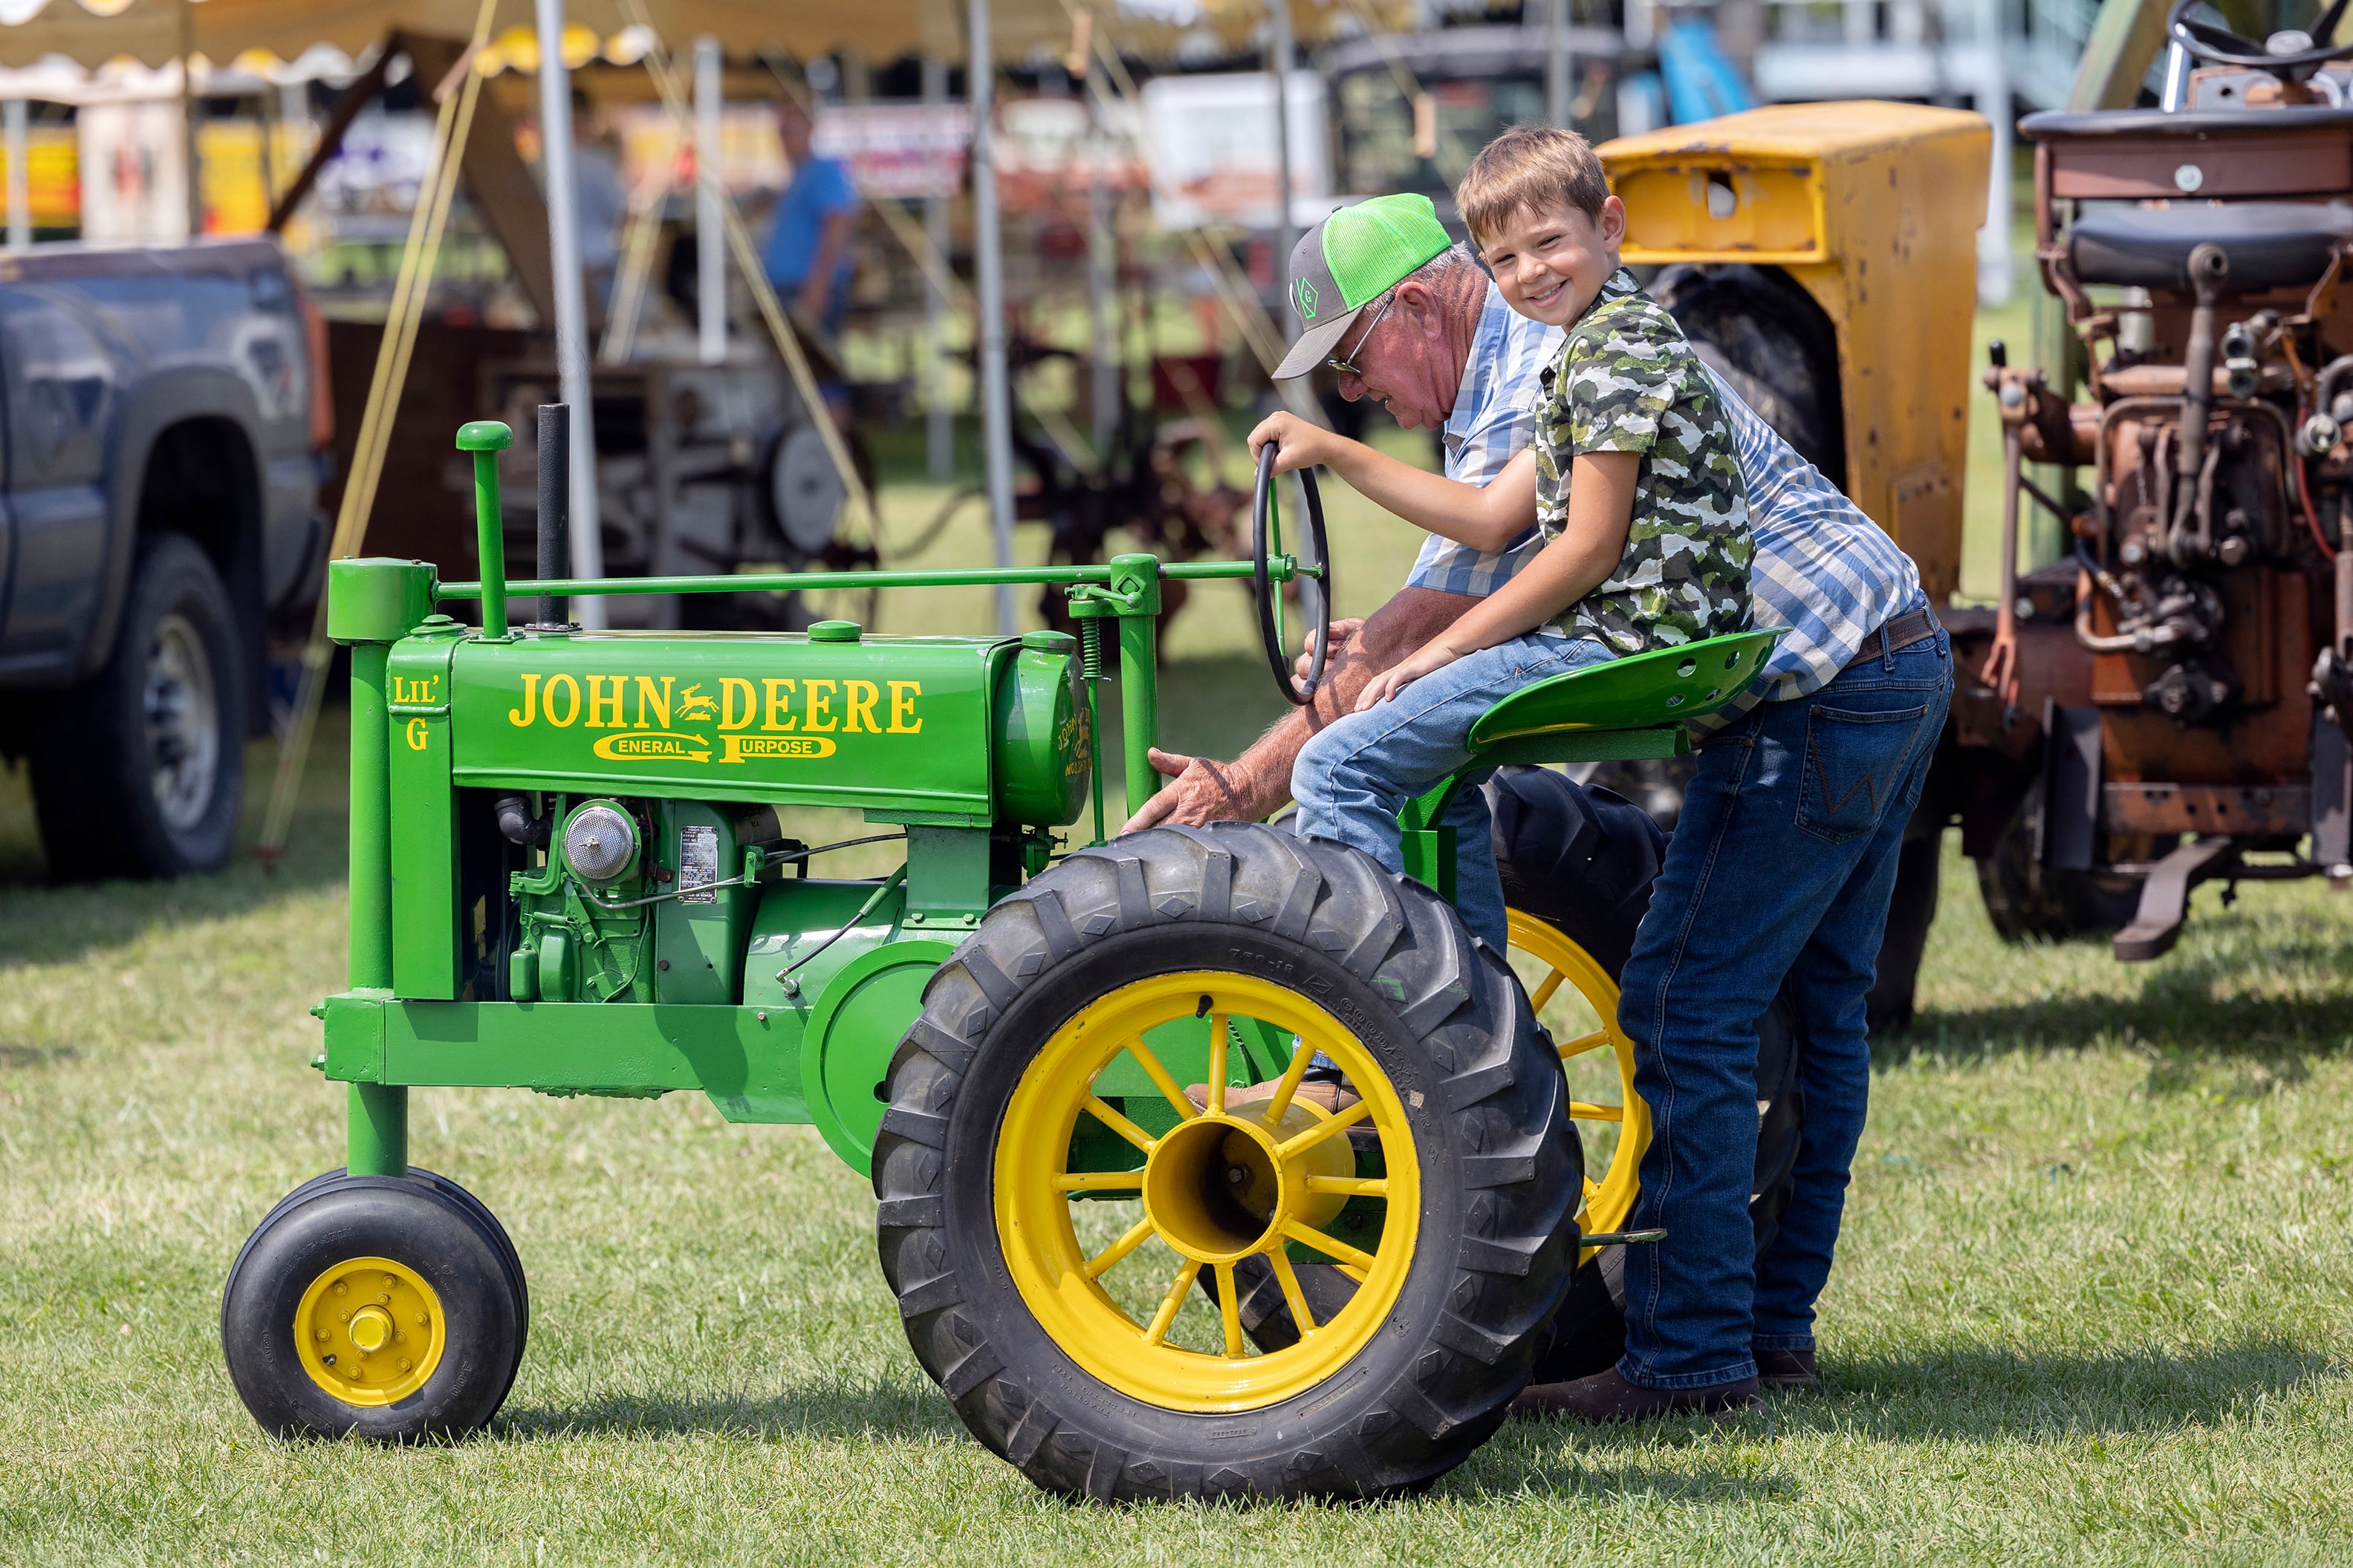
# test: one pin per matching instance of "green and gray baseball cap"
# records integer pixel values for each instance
(1349, 260)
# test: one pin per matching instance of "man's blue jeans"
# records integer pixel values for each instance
(1780, 868)
(1360, 770)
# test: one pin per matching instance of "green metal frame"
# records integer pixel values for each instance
(774, 1055)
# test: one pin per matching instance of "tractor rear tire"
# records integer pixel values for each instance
(1911, 910)
(340, 1251)
(1481, 1173)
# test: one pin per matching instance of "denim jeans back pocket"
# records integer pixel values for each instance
(1855, 768)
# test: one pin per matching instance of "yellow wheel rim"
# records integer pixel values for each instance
(1116, 1302)
(1566, 966)
(370, 1331)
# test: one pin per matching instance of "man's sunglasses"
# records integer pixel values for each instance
(1347, 366)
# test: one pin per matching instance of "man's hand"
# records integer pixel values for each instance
(1343, 638)
(1297, 442)
(1201, 792)
(1258, 783)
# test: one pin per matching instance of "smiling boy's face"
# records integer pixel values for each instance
(1551, 261)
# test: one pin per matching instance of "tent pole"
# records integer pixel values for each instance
(188, 112)
(710, 243)
(996, 391)
(571, 304)
(1556, 63)
(1103, 279)
(939, 420)
(1284, 50)
(20, 206)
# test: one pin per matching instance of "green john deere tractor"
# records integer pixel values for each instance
(1209, 1161)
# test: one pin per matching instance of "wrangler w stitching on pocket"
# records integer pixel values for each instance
(1855, 768)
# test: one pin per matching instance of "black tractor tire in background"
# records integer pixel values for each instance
(1758, 329)
(140, 770)
(1910, 912)
(1499, 1166)
(1583, 859)
(2027, 900)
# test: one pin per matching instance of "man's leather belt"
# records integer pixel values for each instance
(1894, 636)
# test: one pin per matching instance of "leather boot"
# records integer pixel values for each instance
(1787, 1371)
(1608, 1396)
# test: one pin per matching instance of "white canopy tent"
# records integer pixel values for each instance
(47, 40)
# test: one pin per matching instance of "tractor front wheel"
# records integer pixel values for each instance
(377, 1307)
(1053, 1192)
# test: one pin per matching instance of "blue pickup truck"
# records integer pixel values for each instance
(164, 426)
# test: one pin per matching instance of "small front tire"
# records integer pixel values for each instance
(375, 1307)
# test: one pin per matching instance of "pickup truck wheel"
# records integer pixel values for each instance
(140, 770)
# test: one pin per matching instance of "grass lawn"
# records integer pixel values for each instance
(2091, 1306)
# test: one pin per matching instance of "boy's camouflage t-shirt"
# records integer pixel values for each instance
(1626, 380)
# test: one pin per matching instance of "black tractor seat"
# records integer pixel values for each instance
(2186, 125)
(2272, 245)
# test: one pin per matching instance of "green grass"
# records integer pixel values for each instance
(2090, 1308)
(2091, 1305)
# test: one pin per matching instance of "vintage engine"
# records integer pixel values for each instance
(594, 817)
(2198, 505)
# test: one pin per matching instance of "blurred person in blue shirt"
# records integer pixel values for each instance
(809, 256)
(600, 200)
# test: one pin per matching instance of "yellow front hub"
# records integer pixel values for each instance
(1586, 1019)
(370, 1331)
(1262, 1176)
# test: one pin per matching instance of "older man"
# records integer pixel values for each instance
(1781, 865)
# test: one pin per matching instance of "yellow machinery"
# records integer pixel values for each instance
(1874, 209)
(1823, 257)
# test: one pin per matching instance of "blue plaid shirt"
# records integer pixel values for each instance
(1495, 417)
(1822, 568)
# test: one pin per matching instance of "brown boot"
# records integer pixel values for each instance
(1608, 1396)
(1787, 1371)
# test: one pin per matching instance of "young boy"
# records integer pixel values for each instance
(1632, 477)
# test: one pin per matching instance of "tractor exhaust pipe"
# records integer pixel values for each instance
(554, 506)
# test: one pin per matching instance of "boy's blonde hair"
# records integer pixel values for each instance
(1526, 169)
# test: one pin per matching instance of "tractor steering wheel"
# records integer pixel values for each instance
(1266, 536)
(2291, 55)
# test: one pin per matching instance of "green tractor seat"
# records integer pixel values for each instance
(1634, 707)
(1629, 708)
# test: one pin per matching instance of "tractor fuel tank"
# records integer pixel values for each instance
(980, 731)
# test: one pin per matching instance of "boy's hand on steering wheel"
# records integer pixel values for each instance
(1297, 442)
(1430, 657)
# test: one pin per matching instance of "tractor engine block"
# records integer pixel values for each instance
(2182, 549)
